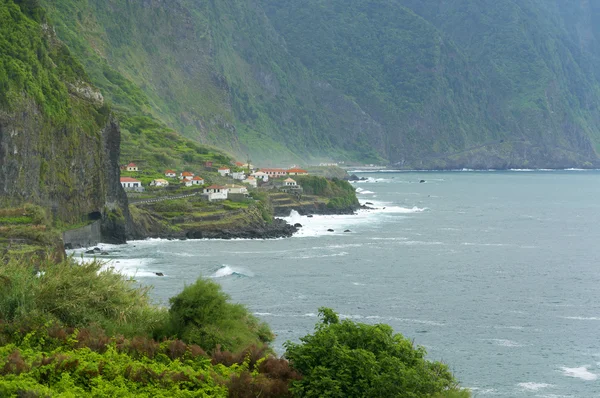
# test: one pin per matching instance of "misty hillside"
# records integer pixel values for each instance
(414, 83)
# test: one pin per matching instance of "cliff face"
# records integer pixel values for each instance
(59, 144)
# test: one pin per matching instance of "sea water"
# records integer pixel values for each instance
(495, 273)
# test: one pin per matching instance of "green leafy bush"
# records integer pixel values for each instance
(348, 359)
(202, 315)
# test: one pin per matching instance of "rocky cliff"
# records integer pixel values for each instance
(59, 143)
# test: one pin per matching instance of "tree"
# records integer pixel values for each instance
(348, 359)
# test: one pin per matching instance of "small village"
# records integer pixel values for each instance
(214, 183)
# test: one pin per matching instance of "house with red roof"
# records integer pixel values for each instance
(275, 173)
(170, 173)
(297, 172)
(224, 171)
(186, 174)
(132, 167)
(216, 192)
(197, 180)
(187, 182)
(131, 184)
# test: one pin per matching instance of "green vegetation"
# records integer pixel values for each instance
(346, 359)
(202, 315)
(341, 194)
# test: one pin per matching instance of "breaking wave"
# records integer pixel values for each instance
(227, 270)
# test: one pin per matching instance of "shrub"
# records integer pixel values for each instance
(348, 359)
(202, 315)
(76, 295)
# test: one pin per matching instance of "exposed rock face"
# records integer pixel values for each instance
(73, 174)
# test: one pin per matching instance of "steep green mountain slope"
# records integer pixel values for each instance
(471, 83)
(214, 71)
(417, 83)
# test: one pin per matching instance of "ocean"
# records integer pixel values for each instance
(495, 273)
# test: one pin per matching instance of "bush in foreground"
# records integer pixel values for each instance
(349, 359)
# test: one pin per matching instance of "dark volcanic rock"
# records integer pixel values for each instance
(330, 230)
(347, 230)
(159, 274)
(90, 252)
(353, 177)
(277, 229)
(422, 181)
(104, 254)
(298, 225)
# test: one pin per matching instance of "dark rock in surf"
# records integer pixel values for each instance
(298, 225)
(347, 230)
(90, 251)
(104, 254)
(422, 181)
(97, 250)
(159, 274)
(330, 230)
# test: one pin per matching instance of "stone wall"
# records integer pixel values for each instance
(87, 236)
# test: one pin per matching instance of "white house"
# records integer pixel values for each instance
(197, 180)
(239, 189)
(186, 174)
(275, 173)
(238, 175)
(290, 183)
(159, 182)
(187, 182)
(170, 173)
(131, 184)
(216, 192)
(132, 167)
(259, 175)
(224, 171)
(251, 181)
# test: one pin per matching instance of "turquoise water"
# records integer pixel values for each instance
(495, 273)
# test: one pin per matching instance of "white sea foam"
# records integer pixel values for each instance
(358, 284)
(364, 191)
(581, 372)
(531, 386)
(340, 254)
(504, 342)
(227, 270)
(582, 318)
(134, 268)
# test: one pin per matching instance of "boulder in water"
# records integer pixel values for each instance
(298, 225)
(369, 203)
(422, 181)
(97, 249)
(310, 216)
(104, 254)
(347, 230)
(330, 230)
(353, 177)
(159, 274)
(90, 251)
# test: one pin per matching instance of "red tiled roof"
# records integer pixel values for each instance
(273, 170)
(297, 171)
(131, 165)
(239, 164)
(186, 174)
(129, 179)
(169, 171)
(198, 178)
(223, 168)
